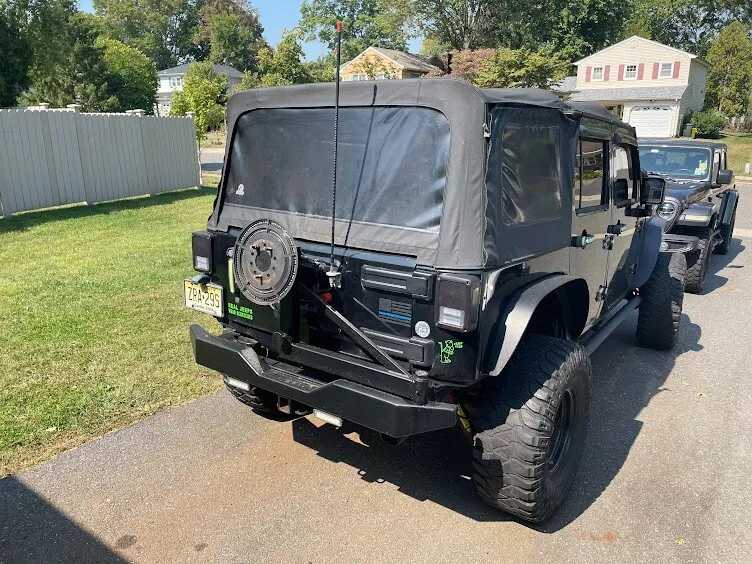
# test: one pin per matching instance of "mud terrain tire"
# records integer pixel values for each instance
(662, 298)
(530, 428)
(697, 262)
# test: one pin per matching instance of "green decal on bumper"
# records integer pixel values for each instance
(240, 311)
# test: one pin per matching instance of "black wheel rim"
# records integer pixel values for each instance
(562, 434)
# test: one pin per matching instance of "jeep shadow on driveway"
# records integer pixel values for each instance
(701, 198)
(483, 243)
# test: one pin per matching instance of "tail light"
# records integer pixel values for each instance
(457, 302)
(202, 252)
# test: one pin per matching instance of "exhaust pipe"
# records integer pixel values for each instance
(392, 441)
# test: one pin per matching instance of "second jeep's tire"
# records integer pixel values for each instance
(697, 262)
(256, 398)
(662, 299)
(530, 427)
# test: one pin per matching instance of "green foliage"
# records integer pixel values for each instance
(230, 32)
(708, 123)
(689, 25)
(161, 29)
(131, 76)
(79, 74)
(365, 23)
(204, 93)
(433, 45)
(730, 75)
(281, 67)
(522, 68)
(15, 60)
(582, 27)
(321, 70)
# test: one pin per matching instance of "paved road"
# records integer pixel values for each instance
(666, 475)
(212, 159)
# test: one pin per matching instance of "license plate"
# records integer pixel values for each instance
(206, 298)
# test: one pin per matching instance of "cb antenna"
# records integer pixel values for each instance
(333, 274)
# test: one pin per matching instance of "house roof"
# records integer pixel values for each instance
(182, 69)
(407, 61)
(637, 37)
(631, 93)
(568, 84)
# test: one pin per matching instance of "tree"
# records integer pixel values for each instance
(204, 93)
(130, 75)
(730, 75)
(161, 29)
(78, 74)
(230, 32)
(689, 25)
(15, 61)
(582, 27)
(365, 23)
(281, 67)
(522, 68)
(321, 70)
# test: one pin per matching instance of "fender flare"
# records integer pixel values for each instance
(730, 198)
(651, 247)
(519, 310)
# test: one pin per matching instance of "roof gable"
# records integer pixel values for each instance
(643, 40)
(408, 61)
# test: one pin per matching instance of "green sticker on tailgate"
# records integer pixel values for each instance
(240, 311)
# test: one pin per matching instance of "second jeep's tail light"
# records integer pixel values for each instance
(458, 297)
(202, 252)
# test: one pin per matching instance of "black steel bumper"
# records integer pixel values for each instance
(377, 410)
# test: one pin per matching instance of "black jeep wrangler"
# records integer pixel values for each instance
(483, 243)
(701, 197)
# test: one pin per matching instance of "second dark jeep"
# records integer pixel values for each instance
(701, 197)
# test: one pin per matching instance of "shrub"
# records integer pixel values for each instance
(708, 123)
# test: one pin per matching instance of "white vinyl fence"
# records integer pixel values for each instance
(55, 157)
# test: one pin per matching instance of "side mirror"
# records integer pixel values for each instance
(725, 176)
(652, 190)
(621, 188)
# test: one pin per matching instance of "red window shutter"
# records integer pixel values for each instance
(621, 72)
(656, 66)
(588, 73)
(640, 71)
(677, 66)
(606, 72)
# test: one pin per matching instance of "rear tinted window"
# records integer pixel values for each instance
(392, 163)
(530, 173)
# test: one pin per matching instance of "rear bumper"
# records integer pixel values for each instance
(375, 409)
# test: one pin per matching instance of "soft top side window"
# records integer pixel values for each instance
(590, 186)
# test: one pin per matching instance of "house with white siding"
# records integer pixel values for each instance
(647, 84)
(171, 80)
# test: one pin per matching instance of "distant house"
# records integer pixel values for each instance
(647, 84)
(171, 80)
(380, 63)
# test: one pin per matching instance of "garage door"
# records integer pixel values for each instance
(653, 121)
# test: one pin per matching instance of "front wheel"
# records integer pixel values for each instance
(530, 428)
(697, 262)
(662, 299)
(727, 232)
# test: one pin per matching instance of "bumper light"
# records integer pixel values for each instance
(451, 317)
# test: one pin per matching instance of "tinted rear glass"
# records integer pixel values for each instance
(392, 163)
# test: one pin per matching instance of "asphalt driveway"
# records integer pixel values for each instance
(665, 477)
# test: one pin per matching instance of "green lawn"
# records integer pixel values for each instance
(739, 150)
(93, 330)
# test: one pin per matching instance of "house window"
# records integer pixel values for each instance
(630, 72)
(380, 76)
(176, 81)
(666, 70)
(357, 77)
(597, 73)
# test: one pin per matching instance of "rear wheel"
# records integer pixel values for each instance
(662, 299)
(697, 262)
(530, 428)
(727, 232)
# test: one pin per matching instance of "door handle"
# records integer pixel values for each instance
(616, 228)
(583, 240)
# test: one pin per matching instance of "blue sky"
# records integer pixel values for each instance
(276, 15)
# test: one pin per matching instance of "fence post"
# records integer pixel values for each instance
(192, 115)
(75, 108)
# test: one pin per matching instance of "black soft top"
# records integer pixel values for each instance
(472, 233)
